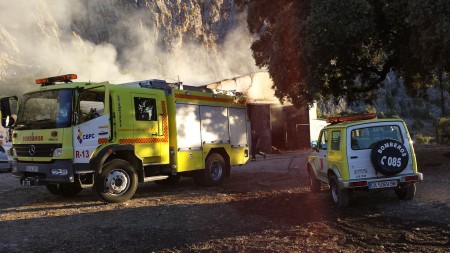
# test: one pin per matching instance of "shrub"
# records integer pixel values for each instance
(443, 129)
(370, 109)
(420, 139)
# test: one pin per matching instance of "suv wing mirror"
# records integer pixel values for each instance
(314, 144)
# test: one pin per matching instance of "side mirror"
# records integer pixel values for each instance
(314, 144)
(8, 121)
(5, 110)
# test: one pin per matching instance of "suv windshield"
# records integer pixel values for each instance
(45, 109)
(365, 138)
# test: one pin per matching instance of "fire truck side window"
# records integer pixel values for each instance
(145, 109)
(91, 104)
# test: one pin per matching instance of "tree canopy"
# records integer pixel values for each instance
(325, 49)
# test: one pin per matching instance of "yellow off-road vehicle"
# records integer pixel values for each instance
(363, 153)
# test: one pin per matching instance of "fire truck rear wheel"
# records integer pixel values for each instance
(214, 171)
(117, 183)
(65, 190)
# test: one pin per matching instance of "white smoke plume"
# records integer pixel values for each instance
(38, 38)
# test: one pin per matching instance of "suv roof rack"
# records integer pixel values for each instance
(335, 120)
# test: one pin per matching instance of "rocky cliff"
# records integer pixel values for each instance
(195, 41)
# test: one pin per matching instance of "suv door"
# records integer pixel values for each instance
(323, 154)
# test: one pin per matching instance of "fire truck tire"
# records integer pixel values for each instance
(53, 189)
(171, 180)
(214, 171)
(65, 190)
(314, 183)
(117, 183)
(340, 196)
(406, 191)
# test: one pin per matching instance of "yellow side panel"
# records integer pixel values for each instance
(237, 156)
(189, 160)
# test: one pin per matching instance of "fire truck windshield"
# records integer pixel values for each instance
(45, 110)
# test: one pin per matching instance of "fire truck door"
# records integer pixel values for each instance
(148, 132)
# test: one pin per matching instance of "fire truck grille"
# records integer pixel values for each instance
(36, 150)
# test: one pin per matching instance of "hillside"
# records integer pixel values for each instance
(393, 100)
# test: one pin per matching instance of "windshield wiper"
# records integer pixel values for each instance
(21, 126)
(42, 123)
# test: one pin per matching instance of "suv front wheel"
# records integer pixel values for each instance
(340, 196)
(314, 183)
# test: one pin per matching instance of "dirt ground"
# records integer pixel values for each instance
(265, 206)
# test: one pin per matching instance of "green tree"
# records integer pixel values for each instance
(279, 47)
(429, 22)
(322, 49)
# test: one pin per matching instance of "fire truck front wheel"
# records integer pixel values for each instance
(214, 171)
(117, 183)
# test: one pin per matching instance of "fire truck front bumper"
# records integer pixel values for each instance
(58, 172)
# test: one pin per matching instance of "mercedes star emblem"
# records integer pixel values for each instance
(32, 150)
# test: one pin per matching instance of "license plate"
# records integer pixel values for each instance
(30, 168)
(382, 184)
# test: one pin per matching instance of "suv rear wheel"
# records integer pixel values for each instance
(406, 191)
(340, 196)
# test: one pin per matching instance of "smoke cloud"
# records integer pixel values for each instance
(41, 38)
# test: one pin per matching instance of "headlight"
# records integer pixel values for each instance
(12, 152)
(57, 152)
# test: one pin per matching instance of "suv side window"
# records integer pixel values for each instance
(335, 140)
(323, 140)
